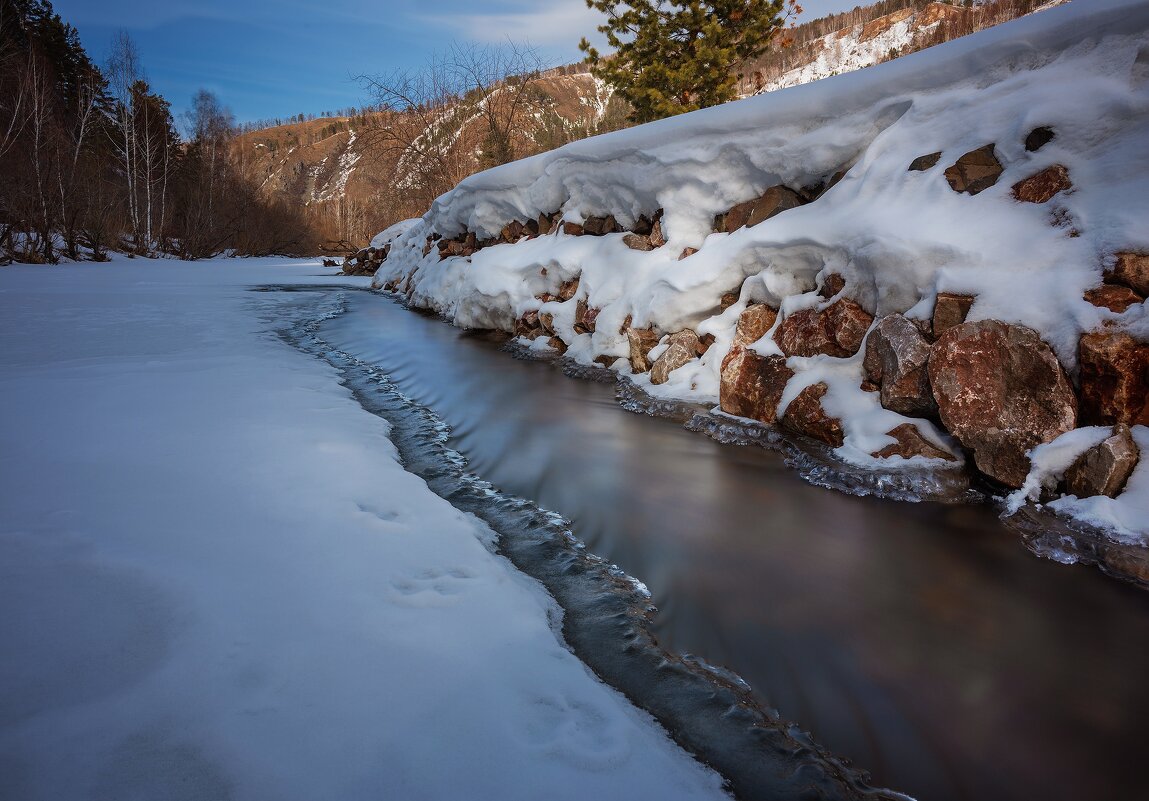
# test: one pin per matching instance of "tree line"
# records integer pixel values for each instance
(93, 161)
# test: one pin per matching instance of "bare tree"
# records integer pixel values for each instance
(123, 71)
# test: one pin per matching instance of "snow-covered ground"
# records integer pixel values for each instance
(216, 581)
(897, 237)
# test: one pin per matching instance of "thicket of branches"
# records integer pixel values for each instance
(92, 160)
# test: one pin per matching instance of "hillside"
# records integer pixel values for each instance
(344, 170)
(944, 282)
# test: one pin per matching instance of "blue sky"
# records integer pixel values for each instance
(277, 58)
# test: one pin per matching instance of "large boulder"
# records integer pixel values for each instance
(752, 384)
(775, 200)
(975, 171)
(1132, 270)
(1000, 390)
(837, 330)
(1104, 468)
(805, 415)
(895, 361)
(1114, 379)
(681, 348)
(753, 323)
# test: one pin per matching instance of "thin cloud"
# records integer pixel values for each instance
(562, 24)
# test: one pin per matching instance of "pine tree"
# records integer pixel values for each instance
(673, 56)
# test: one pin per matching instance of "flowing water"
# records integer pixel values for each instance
(922, 641)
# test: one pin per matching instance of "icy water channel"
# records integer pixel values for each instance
(921, 641)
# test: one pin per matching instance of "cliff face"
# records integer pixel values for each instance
(949, 268)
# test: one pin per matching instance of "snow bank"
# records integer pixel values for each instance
(216, 581)
(898, 237)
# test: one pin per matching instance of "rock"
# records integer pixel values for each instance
(896, 358)
(727, 300)
(641, 340)
(805, 415)
(547, 323)
(544, 223)
(1104, 468)
(567, 289)
(975, 171)
(911, 443)
(585, 317)
(643, 226)
(924, 162)
(753, 323)
(832, 285)
(1126, 559)
(1132, 270)
(773, 201)
(681, 348)
(557, 344)
(686, 252)
(597, 226)
(1038, 138)
(1114, 297)
(1000, 391)
(950, 310)
(751, 384)
(528, 326)
(572, 229)
(1114, 371)
(837, 330)
(657, 238)
(1042, 186)
(330, 263)
(605, 361)
(637, 242)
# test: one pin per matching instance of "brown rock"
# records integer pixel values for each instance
(1104, 468)
(605, 361)
(528, 325)
(975, 171)
(753, 323)
(643, 226)
(833, 284)
(680, 349)
(950, 310)
(896, 358)
(686, 252)
(637, 242)
(567, 289)
(544, 223)
(557, 344)
(727, 300)
(1114, 297)
(1038, 138)
(597, 226)
(774, 200)
(751, 384)
(547, 323)
(641, 340)
(1042, 186)
(1000, 390)
(511, 231)
(1114, 379)
(837, 330)
(924, 162)
(572, 228)
(805, 415)
(1132, 269)
(911, 443)
(585, 317)
(657, 238)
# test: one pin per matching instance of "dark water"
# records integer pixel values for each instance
(922, 641)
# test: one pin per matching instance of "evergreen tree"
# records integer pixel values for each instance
(673, 56)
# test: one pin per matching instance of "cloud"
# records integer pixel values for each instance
(562, 23)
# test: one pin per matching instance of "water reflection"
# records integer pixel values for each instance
(922, 641)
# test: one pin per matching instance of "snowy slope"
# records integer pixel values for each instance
(897, 237)
(217, 581)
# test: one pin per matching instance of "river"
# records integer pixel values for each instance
(922, 641)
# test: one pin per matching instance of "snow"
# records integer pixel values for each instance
(217, 581)
(897, 237)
